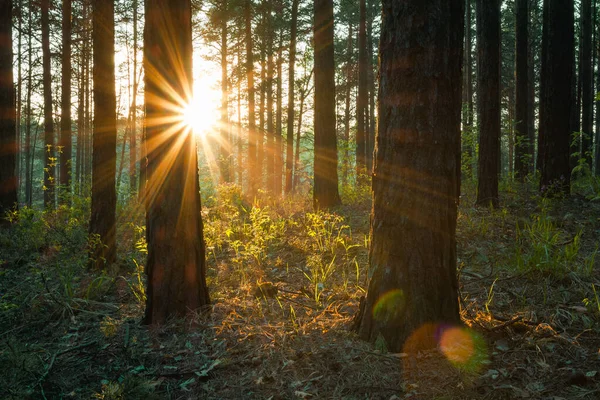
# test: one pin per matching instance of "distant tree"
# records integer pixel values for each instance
(225, 145)
(413, 282)
(325, 193)
(523, 148)
(8, 128)
(104, 140)
(488, 100)
(362, 100)
(49, 145)
(289, 147)
(176, 265)
(133, 157)
(252, 134)
(587, 82)
(556, 96)
(65, 119)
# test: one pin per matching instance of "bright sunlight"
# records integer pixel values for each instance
(202, 114)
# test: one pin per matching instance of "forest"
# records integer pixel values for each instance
(299, 199)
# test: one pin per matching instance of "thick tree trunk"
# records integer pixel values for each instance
(413, 290)
(176, 264)
(488, 103)
(104, 141)
(252, 134)
(65, 121)
(49, 146)
(556, 96)
(325, 193)
(19, 95)
(587, 82)
(289, 148)
(8, 128)
(362, 100)
(523, 156)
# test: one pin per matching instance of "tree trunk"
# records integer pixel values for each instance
(278, 176)
(29, 153)
(325, 193)
(104, 141)
(289, 163)
(49, 153)
(240, 169)
(252, 134)
(65, 121)
(270, 158)
(225, 144)
(556, 96)
(488, 103)
(587, 82)
(363, 92)
(133, 184)
(413, 290)
(523, 157)
(19, 95)
(347, 95)
(8, 128)
(176, 264)
(531, 50)
(372, 93)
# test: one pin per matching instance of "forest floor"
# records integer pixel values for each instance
(285, 285)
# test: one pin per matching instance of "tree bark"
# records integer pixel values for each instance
(8, 128)
(556, 96)
(488, 103)
(104, 140)
(176, 264)
(29, 154)
(413, 289)
(49, 146)
(289, 148)
(270, 158)
(278, 175)
(523, 156)
(65, 121)
(325, 193)
(133, 157)
(224, 143)
(362, 100)
(252, 134)
(347, 95)
(587, 82)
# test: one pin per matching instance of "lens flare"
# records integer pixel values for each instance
(390, 306)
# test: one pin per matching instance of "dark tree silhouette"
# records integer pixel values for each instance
(65, 119)
(556, 96)
(587, 82)
(488, 100)
(104, 140)
(415, 189)
(362, 99)
(49, 153)
(289, 146)
(325, 193)
(8, 129)
(524, 147)
(176, 264)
